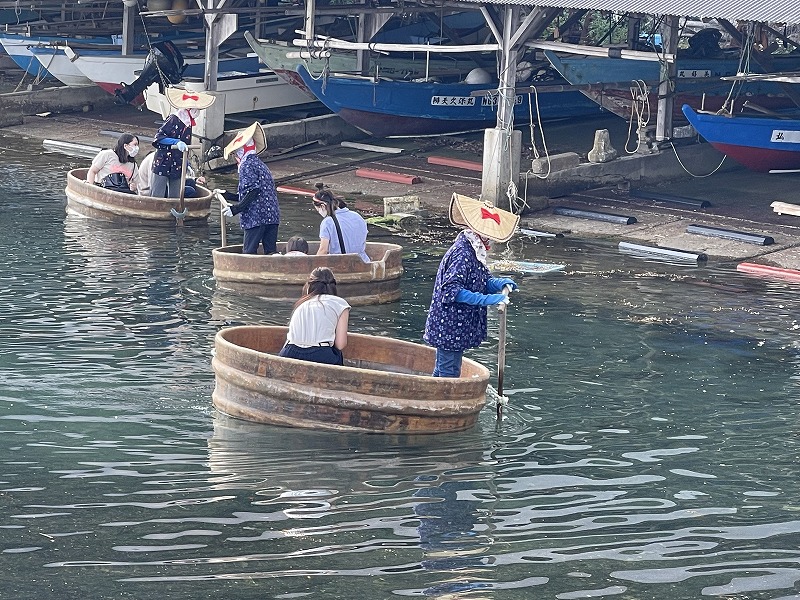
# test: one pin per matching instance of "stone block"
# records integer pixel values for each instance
(557, 162)
(602, 151)
(400, 204)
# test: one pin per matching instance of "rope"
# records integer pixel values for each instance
(688, 171)
(640, 106)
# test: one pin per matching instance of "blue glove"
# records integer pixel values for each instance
(477, 299)
(167, 141)
(181, 145)
(496, 284)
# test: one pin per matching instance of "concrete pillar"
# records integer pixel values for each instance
(502, 151)
(211, 122)
(669, 72)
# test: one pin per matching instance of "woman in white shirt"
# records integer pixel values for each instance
(118, 160)
(318, 325)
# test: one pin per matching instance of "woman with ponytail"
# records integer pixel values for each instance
(341, 231)
(318, 325)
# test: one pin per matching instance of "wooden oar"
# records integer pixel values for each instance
(501, 352)
(222, 223)
(182, 210)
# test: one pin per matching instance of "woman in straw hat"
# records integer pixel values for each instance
(172, 140)
(464, 286)
(256, 197)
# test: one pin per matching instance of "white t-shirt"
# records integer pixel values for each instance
(315, 320)
(107, 162)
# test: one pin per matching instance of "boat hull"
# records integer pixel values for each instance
(95, 202)
(283, 277)
(385, 108)
(384, 387)
(697, 83)
(761, 144)
(59, 66)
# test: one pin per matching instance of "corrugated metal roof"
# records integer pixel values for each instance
(780, 11)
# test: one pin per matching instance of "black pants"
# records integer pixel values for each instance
(320, 354)
(260, 234)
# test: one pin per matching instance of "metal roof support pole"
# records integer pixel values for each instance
(669, 71)
(308, 24)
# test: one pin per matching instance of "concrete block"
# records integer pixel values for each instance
(557, 162)
(602, 151)
(400, 204)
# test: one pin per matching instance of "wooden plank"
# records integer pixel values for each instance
(469, 165)
(786, 208)
(388, 176)
(372, 148)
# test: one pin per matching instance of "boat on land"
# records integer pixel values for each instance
(54, 59)
(388, 108)
(384, 386)
(761, 143)
(274, 56)
(613, 82)
(95, 202)
(281, 277)
(18, 47)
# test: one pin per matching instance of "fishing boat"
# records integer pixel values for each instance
(96, 202)
(617, 84)
(761, 142)
(55, 61)
(18, 47)
(384, 386)
(387, 108)
(274, 56)
(242, 84)
(281, 277)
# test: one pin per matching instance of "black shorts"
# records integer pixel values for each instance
(320, 354)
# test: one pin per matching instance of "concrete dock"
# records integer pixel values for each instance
(739, 200)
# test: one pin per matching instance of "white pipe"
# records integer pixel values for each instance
(600, 51)
(329, 42)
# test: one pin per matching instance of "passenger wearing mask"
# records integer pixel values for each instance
(109, 165)
(341, 231)
(172, 140)
(256, 198)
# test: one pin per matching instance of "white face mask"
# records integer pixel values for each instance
(132, 150)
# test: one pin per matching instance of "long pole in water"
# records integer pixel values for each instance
(182, 197)
(501, 352)
(223, 229)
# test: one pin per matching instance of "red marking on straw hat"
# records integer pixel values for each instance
(485, 214)
(190, 97)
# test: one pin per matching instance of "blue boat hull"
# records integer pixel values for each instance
(697, 84)
(404, 109)
(759, 143)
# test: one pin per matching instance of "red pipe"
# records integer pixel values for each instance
(290, 189)
(387, 176)
(469, 165)
(767, 271)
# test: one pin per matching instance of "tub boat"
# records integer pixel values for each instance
(282, 277)
(95, 202)
(384, 386)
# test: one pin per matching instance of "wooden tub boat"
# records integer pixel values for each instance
(99, 203)
(385, 385)
(282, 277)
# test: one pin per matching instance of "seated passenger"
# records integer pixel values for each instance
(341, 231)
(296, 245)
(144, 178)
(318, 325)
(119, 160)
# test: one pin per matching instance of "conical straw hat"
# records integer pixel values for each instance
(255, 131)
(181, 98)
(483, 218)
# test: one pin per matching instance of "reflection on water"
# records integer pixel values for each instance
(648, 450)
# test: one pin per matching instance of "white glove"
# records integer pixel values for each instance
(219, 192)
(180, 145)
(227, 212)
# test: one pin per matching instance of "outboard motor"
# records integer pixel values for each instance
(164, 64)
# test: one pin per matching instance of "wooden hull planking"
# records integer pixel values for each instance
(384, 387)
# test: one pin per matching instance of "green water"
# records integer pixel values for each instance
(649, 449)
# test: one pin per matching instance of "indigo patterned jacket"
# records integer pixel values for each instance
(455, 325)
(264, 210)
(167, 161)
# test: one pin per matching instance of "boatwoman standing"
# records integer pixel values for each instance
(464, 286)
